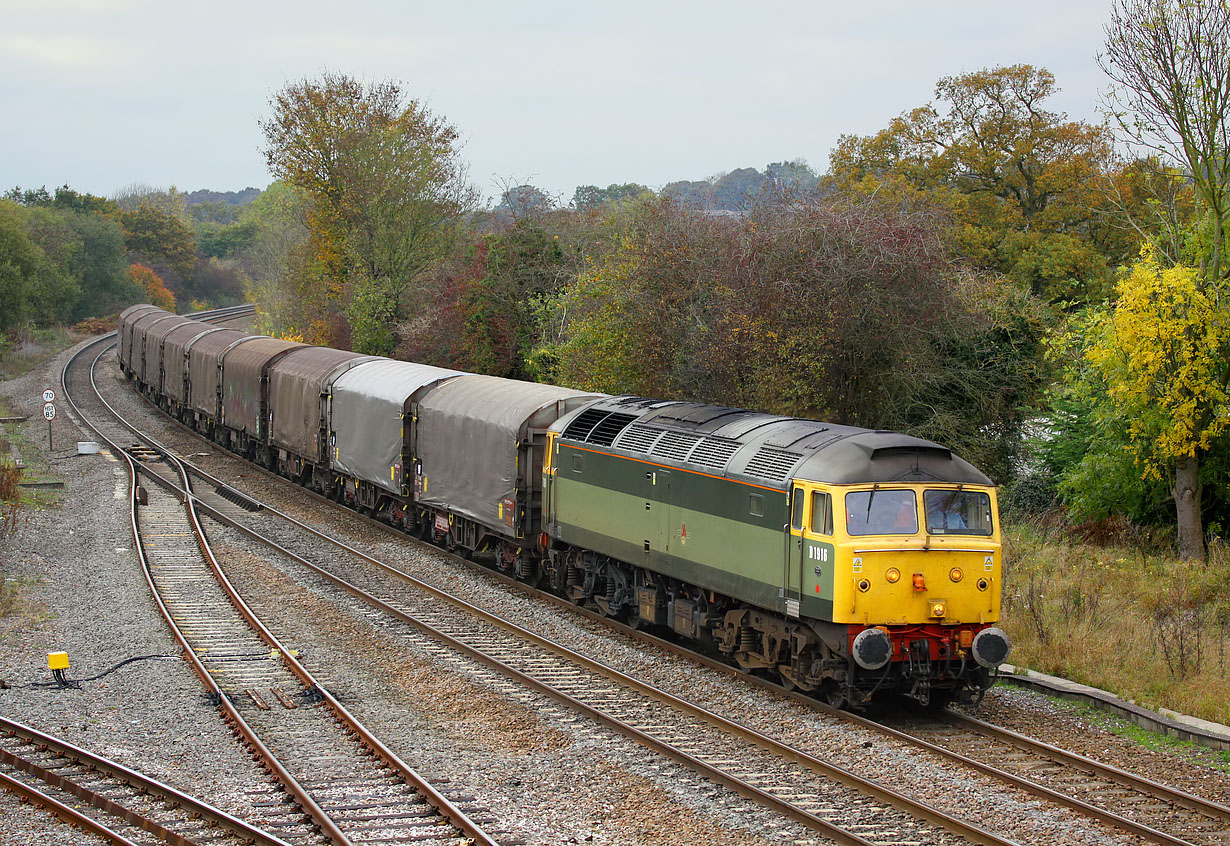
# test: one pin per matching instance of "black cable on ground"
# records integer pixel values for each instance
(62, 681)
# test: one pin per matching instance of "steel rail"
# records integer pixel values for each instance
(1032, 787)
(442, 804)
(229, 712)
(66, 813)
(132, 778)
(838, 774)
(1106, 771)
(834, 772)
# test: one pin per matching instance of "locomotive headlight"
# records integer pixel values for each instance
(938, 609)
(955, 574)
(893, 575)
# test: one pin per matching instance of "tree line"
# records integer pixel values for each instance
(1042, 294)
(66, 256)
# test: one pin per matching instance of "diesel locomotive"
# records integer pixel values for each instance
(843, 561)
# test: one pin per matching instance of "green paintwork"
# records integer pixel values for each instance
(700, 529)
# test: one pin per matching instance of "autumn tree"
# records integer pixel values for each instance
(842, 309)
(1169, 61)
(385, 190)
(159, 239)
(1019, 177)
(155, 291)
(1149, 372)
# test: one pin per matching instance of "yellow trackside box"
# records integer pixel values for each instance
(57, 660)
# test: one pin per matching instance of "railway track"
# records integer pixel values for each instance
(110, 800)
(799, 785)
(350, 787)
(1151, 812)
(1169, 815)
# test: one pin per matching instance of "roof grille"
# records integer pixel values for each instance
(770, 463)
(609, 427)
(638, 438)
(714, 452)
(583, 423)
(674, 445)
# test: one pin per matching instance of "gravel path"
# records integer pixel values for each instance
(547, 777)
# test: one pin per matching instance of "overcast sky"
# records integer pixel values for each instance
(102, 95)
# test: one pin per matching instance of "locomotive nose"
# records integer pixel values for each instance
(991, 647)
(872, 649)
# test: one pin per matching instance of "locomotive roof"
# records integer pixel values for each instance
(764, 449)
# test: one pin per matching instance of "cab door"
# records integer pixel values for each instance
(792, 578)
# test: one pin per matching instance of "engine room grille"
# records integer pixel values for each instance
(770, 463)
(638, 438)
(674, 445)
(714, 452)
(584, 423)
(596, 426)
(608, 429)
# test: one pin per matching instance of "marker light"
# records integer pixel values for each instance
(893, 575)
(955, 574)
(864, 585)
(938, 609)
(919, 582)
(982, 584)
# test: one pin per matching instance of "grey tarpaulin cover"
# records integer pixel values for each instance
(155, 337)
(136, 349)
(297, 382)
(175, 357)
(203, 356)
(467, 434)
(127, 318)
(243, 367)
(366, 415)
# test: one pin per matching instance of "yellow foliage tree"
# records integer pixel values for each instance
(1159, 352)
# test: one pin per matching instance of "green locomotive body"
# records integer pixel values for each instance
(727, 526)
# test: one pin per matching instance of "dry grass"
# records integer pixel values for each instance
(10, 499)
(10, 512)
(1120, 617)
(23, 351)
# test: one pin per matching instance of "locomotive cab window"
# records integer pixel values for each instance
(796, 509)
(821, 513)
(881, 512)
(957, 512)
(755, 505)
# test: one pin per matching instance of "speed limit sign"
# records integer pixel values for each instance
(49, 411)
(49, 395)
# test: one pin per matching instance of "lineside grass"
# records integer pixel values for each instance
(1124, 616)
(26, 349)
